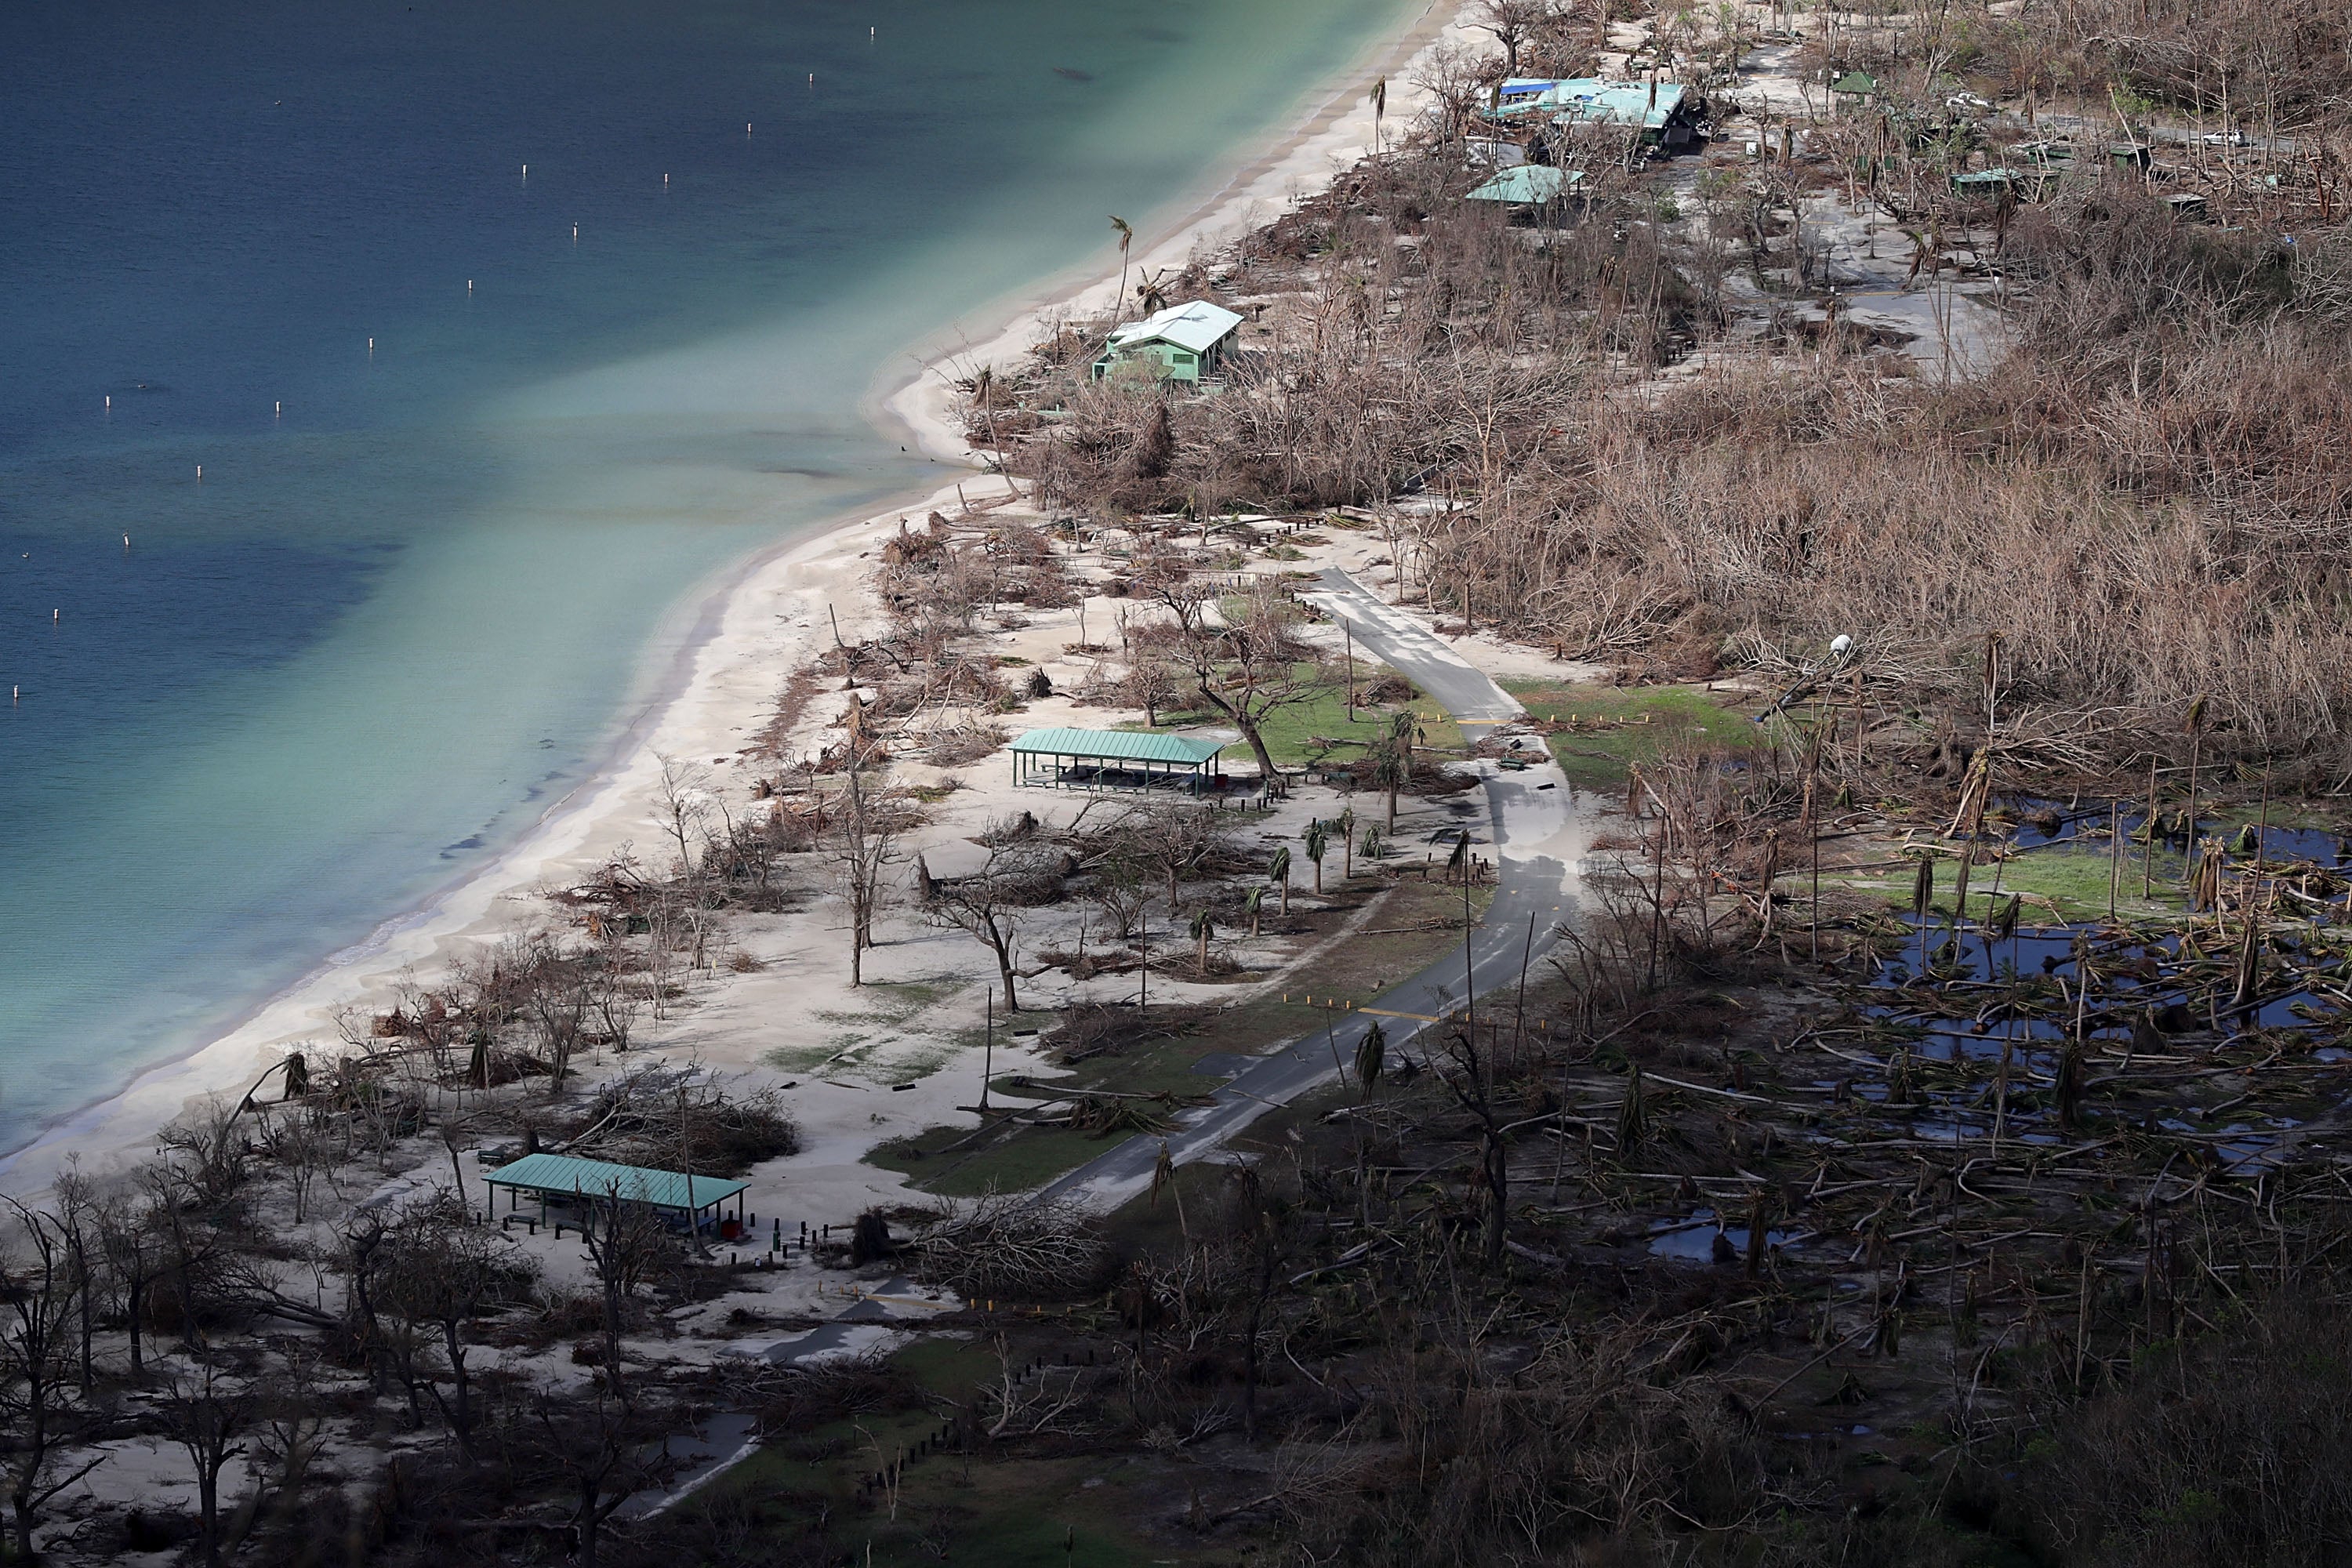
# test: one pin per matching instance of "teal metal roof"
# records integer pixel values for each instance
(1601, 102)
(560, 1175)
(1123, 746)
(1198, 325)
(1527, 184)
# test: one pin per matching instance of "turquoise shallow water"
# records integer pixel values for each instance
(396, 619)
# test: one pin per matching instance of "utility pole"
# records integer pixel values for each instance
(987, 1051)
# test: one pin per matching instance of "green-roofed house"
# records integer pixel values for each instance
(1854, 89)
(570, 1190)
(1529, 186)
(1116, 760)
(1182, 342)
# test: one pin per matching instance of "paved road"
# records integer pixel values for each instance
(1533, 833)
(1411, 650)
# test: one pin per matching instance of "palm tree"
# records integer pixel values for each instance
(1203, 928)
(1251, 905)
(1278, 870)
(1119, 227)
(1379, 97)
(1392, 760)
(1318, 840)
(1346, 823)
(1371, 1055)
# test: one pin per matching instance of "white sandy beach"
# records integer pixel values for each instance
(766, 619)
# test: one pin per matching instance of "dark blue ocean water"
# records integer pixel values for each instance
(420, 585)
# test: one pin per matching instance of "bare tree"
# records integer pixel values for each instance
(682, 797)
(600, 1453)
(1247, 669)
(861, 839)
(207, 1415)
(557, 1003)
(1020, 874)
(38, 1369)
(439, 1271)
(1514, 22)
(127, 1239)
(626, 1241)
(77, 1216)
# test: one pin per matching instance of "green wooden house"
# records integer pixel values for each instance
(1854, 89)
(1182, 342)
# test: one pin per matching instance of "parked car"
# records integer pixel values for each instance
(2224, 138)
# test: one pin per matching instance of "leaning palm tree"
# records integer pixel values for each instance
(1120, 227)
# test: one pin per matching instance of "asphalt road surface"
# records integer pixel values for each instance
(1413, 651)
(1531, 830)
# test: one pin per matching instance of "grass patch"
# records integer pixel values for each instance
(1014, 1161)
(949, 1367)
(1291, 733)
(1649, 717)
(982, 1515)
(2070, 883)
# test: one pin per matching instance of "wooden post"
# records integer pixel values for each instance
(2115, 852)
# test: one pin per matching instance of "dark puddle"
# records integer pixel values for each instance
(2030, 822)
(1694, 1240)
(2015, 991)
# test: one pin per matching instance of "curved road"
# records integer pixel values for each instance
(1536, 837)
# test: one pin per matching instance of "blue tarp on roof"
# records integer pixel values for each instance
(1589, 99)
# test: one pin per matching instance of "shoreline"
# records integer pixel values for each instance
(740, 645)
